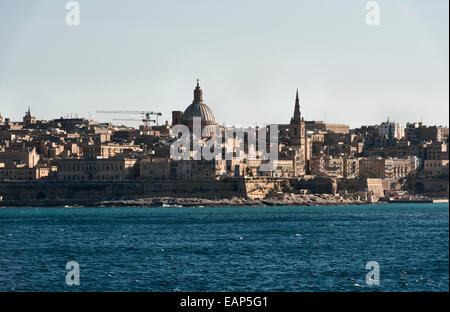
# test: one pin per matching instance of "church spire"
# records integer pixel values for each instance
(297, 115)
(198, 94)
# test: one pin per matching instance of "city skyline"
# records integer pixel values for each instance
(137, 122)
(147, 57)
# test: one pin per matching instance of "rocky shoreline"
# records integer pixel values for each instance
(166, 201)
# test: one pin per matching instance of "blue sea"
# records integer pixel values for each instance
(226, 248)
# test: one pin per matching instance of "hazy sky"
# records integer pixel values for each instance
(250, 57)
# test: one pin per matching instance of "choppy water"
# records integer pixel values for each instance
(226, 249)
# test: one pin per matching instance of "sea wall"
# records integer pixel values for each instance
(314, 185)
(116, 190)
(249, 187)
(373, 186)
(64, 190)
(429, 186)
(201, 188)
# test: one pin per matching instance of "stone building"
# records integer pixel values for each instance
(384, 168)
(397, 168)
(372, 167)
(23, 173)
(436, 158)
(107, 150)
(177, 118)
(417, 132)
(392, 130)
(197, 169)
(154, 168)
(327, 166)
(12, 157)
(351, 168)
(318, 125)
(281, 168)
(114, 169)
(435, 151)
(436, 167)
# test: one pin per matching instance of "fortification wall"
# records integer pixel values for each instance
(253, 188)
(259, 188)
(352, 185)
(63, 190)
(118, 190)
(316, 185)
(202, 188)
(429, 186)
(375, 186)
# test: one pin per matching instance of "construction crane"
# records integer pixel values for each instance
(146, 116)
(145, 121)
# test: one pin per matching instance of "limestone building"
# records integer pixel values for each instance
(12, 158)
(113, 169)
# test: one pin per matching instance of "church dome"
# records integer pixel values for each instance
(198, 109)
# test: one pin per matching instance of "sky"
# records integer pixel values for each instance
(250, 57)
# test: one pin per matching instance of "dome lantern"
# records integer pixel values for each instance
(198, 109)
